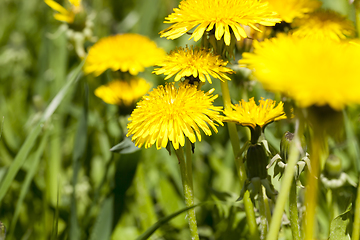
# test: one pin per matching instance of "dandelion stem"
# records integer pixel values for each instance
(356, 228)
(263, 216)
(240, 168)
(250, 217)
(294, 218)
(312, 186)
(188, 153)
(283, 194)
(234, 138)
(357, 15)
(186, 169)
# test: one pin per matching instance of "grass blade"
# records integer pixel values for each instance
(30, 140)
(103, 224)
(29, 177)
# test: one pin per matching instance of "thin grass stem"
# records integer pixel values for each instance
(283, 194)
(356, 225)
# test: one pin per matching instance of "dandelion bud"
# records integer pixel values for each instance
(333, 167)
(256, 161)
(285, 145)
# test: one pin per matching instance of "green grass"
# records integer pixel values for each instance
(63, 174)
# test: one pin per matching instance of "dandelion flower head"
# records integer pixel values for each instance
(65, 14)
(171, 114)
(125, 52)
(222, 16)
(122, 92)
(199, 63)
(324, 24)
(310, 71)
(288, 10)
(251, 115)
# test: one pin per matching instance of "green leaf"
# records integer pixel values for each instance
(31, 139)
(339, 225)
(103, 224)
(126, 146)
(170, 200)
(19, 160)
(35, 160)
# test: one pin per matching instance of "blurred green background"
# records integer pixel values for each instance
(66, 182)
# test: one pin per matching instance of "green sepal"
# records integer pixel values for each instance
(256, 162)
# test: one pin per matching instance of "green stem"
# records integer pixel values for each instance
(188, 191)
(263, 215)
(240, 168)
(330, 204)
(267, 209)
(250, 217)
(312, 186)
(294, 218)
(283, 194)
(188, 153)
(356, 228)
(357, 16)
(234, 138)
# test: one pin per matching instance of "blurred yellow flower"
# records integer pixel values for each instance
(311, 71)
(65, 15)
(251, 115)
(171, 114)
(199, 63)
(290, 9)
(126, 52)
(222, 16)
(323, 24)
(122, 92)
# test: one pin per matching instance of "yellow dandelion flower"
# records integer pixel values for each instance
(200, 63)
(125, 52)
(123, 93)
(171, 114)
(65, 15)
(75, 3)
(324, 24)
(220, 16)
(251, 115)
(290, 9)
(312, 72)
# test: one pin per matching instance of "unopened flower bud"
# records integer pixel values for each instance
(333, 167)
(285, 145)
(256, 161)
